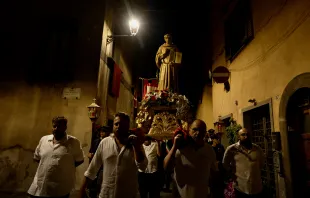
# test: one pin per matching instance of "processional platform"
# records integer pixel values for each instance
(164, 112)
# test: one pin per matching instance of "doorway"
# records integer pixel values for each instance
(298, 82)
(258, 120)
(298, 129)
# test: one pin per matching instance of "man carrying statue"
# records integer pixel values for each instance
(168, 58)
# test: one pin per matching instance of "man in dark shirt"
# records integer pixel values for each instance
(217, 184)
(94, 187)
(102, 132)
(166, 178)
(210, 133)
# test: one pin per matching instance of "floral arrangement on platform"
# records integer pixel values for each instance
(163, 99)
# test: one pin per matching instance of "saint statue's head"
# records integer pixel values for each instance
(168, 38)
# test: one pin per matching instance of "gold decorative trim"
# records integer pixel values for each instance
(163, 126)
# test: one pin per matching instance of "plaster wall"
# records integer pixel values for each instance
(26, 114)
(125, 100)
(111, 105)
(205, 108)
(104, 71)
(27, 108)
(277, 54)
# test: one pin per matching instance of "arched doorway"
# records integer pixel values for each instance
(293, 126)
(298, 130)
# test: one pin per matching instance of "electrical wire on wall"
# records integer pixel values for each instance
(272, 16)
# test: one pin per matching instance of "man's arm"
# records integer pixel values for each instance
(93, 148)
(137, 144)
(228, 158)
(92, 169)
(36, 155)
(140, 157)
(158, 148)
(78, 153)
(170, 158)
(262, 158)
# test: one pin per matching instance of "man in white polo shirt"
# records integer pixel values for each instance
(57, 154)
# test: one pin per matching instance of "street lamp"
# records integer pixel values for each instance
(93, 114)
(219, 126)
(94, 111)
(134, 26)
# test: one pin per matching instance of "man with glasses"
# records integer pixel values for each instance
(245, 160)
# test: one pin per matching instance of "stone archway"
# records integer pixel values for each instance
(300, 81)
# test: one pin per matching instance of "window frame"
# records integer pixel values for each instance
(247, 25)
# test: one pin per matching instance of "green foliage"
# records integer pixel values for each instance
(232, 130)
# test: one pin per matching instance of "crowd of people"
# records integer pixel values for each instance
(123, 162)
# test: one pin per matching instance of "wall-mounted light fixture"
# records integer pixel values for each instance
(94, 111)
(219, 126)
(253, 101)
(134, 26)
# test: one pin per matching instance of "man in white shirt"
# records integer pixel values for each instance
(120, 155)
(149, 181)
(58, 155)
(193, 160)
(245, 160)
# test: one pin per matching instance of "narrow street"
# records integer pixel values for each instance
(216, 92)
(73, 195)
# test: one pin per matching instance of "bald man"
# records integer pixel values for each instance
(245, 160)
(192, 163)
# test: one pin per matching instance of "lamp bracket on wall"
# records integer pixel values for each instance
(110, 38)
(253, 101)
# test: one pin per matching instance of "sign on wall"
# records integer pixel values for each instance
(71, 93)
(220, 74)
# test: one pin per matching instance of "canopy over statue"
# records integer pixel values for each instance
(168, 58)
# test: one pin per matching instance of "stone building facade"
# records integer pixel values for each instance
(57, 45)
(264, 44)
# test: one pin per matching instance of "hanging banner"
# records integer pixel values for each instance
(145, 82)
(152, 86)
(149, 85)
(135, 99)
(117, 75)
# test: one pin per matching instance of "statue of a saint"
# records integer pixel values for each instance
(167, 60)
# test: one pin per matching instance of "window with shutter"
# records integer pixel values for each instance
(238, 29)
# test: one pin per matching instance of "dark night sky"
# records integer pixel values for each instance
(28, 30)
(188, 23)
